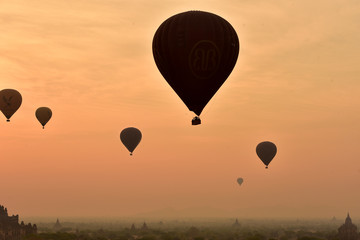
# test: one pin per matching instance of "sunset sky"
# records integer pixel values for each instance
(296, 83)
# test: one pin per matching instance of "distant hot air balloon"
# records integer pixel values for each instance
(43, 114)
(266, 152)
(130, 137)
(240, 181)
(195, 52)
(10, 101)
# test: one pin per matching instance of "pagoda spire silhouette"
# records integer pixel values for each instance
(144, 226)
(132, 227)
(57, 225)
(236, 223)
(348, 231)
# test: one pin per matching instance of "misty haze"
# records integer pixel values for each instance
(179, 119)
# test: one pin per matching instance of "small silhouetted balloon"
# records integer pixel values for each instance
(43, 114)
(130, 137)
(195, 51)
(240, 181)
(10, 101)
(266, 152)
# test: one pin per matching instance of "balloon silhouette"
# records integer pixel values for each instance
(266, 151)
(130, 137)
(240, 181)
(195, 52)
(10, 101)
(43, 114)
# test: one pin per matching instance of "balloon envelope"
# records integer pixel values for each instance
(130, 137)
(240, 181)
(43, 115)
(195, 52)
(266, 152)
(10, 101)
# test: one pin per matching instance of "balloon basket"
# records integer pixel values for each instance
(8, 120)
(196, 121)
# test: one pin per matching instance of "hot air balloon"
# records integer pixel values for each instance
(266, 152)
(10, 101)
(240, 181)
(195, 52)
(43, 114)
(130, 137)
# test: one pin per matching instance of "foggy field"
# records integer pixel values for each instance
(197, 229)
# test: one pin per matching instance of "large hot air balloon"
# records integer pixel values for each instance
(10, 101)
(195, 52)
(43, 114)
(266, 152)
(240, 181)
(130, 137)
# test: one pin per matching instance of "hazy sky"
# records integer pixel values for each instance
(295, 83)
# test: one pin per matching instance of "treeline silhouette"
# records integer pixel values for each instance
(200, 231)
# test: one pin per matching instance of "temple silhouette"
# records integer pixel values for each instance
(57, 225)
(10, 229)
(144, 226)
(236, 224)
(348, 231)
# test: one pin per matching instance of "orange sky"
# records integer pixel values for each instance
(295, 83)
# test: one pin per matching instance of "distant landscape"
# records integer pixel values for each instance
(180, 228)
(196, 229)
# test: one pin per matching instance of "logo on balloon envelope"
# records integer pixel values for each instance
(7, 101)
(10, 101)
(204, 59)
